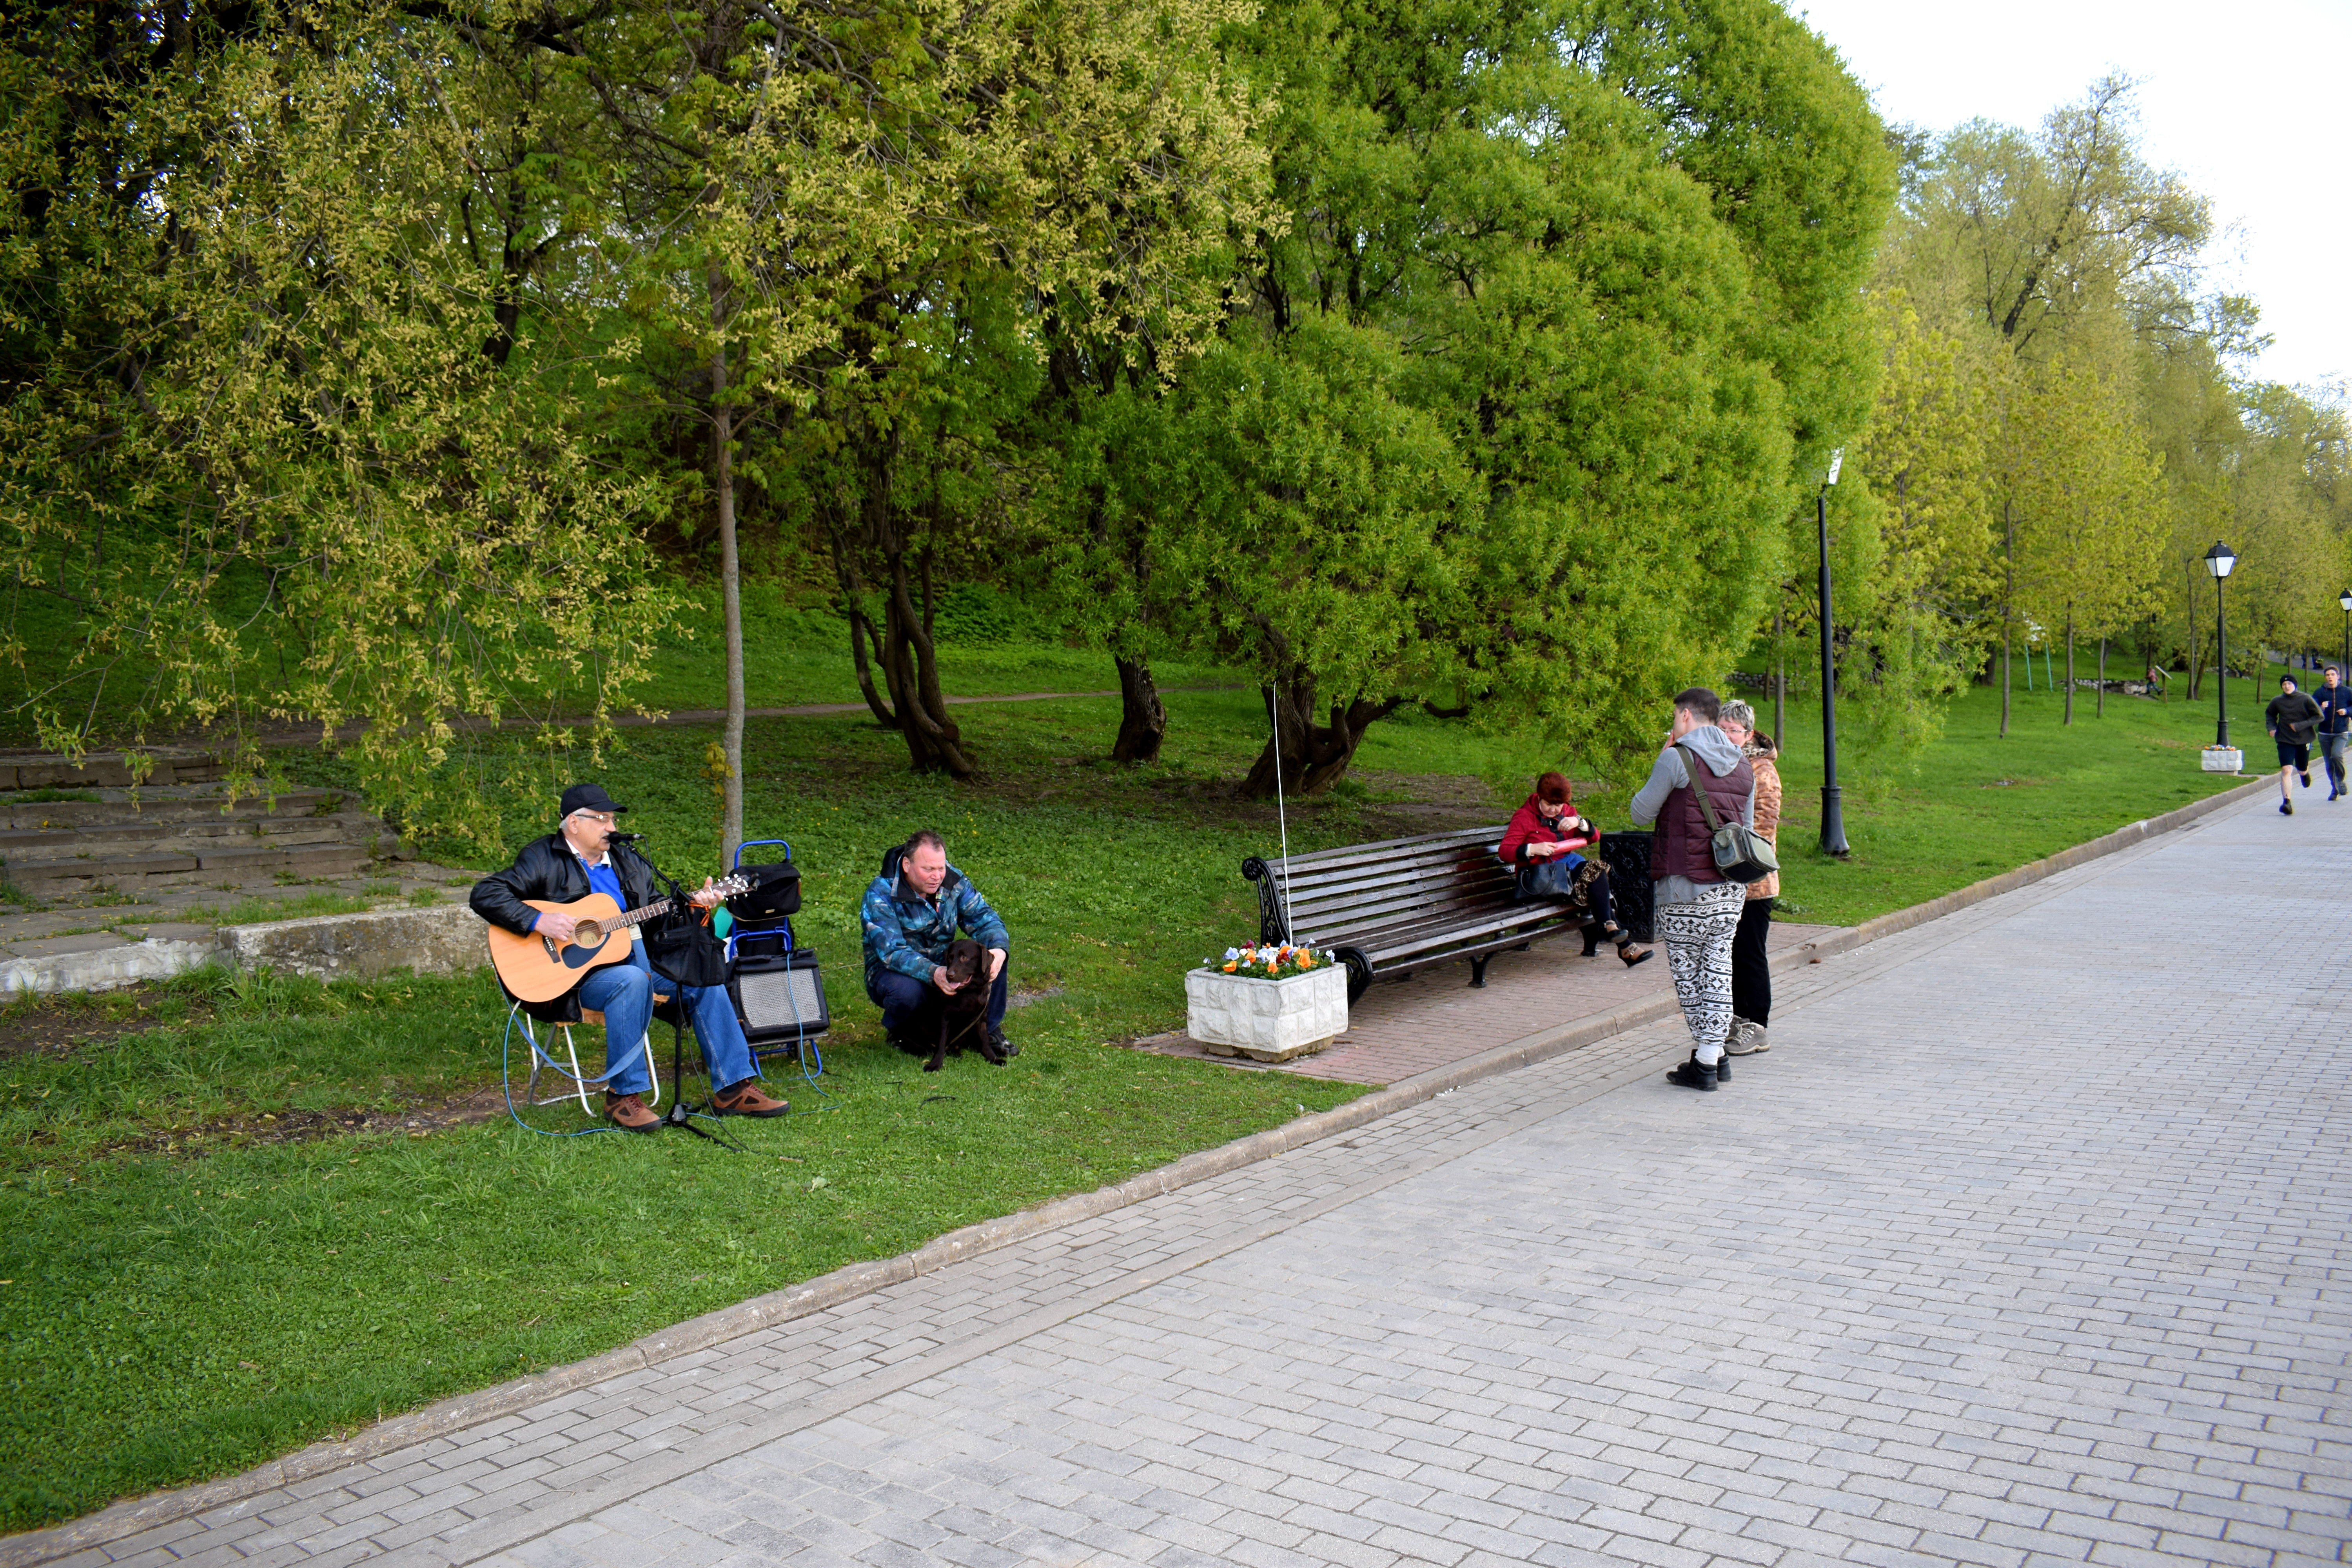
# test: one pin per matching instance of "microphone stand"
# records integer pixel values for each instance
(681, 1114)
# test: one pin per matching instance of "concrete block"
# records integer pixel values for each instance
(106, 969)
(440, 940)
(1270, 1020)
(89, 941)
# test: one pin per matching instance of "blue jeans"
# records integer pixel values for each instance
(911, 1007)
(624, 993)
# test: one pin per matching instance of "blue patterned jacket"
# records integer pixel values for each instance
(909, 934)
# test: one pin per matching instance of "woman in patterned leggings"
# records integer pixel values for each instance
(1697, 910)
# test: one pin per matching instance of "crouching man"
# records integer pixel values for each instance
(910, 914)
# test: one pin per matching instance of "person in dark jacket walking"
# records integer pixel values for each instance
(1697, 910)
(579, 858)
(2293, 719)
(1544, 847)
(2335, 699)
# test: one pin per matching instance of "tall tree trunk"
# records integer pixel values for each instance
(2070, 665)
(1142, 718)
(910, 658)
(862, 630)
(1314, 756)
(731, 572)
(2008, 597)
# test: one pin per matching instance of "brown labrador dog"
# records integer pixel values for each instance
(963, 1012)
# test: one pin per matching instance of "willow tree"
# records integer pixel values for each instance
(2091, 496)
(278, 439)
(1921, 614)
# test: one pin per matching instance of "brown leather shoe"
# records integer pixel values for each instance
(630, 1113)
(746, 1099)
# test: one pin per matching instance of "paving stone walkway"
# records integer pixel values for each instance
(2026, 1245)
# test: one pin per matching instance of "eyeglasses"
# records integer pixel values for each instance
(602, 818)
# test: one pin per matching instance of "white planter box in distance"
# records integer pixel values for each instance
(1266, 1020)
(2224, 759)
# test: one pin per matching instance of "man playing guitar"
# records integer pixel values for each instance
(568, 863)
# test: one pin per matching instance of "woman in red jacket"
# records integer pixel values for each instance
(1543, 846)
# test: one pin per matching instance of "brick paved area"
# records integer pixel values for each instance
(2023, 1247)
(1435, 1018)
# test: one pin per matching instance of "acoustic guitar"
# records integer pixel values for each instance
(538, 968)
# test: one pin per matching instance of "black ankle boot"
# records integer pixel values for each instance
(1722, 1069)
(1591, 940)
(1695, 1074)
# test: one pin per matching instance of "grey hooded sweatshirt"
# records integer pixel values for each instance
(1668, 775)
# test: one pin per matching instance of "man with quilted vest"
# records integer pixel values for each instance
(1697, 913)
(910, 913)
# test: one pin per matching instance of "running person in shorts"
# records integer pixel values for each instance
(2293, 719)
(2335, 699)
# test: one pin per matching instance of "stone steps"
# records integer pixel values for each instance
(108, 770)
(21, 845)
(223, 868)
(177, 831)
(168, 802)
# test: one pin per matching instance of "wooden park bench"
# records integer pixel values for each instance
(1402, 905)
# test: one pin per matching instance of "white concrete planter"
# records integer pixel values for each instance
(2224, 759)
(1266, 1020)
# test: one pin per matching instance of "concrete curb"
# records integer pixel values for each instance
(435, 940)
(104, 969)
(857, 1279)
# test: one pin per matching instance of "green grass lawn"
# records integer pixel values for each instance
(186, 1296)
(1977, 803)
(794, 656)
(188, 1289)
(795, 652)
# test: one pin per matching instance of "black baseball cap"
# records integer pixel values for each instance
(587, 797)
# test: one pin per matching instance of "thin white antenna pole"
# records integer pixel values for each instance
(1289, 931)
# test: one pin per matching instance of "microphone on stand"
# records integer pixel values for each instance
(624, 837)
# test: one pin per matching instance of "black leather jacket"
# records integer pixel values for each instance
(548, 872)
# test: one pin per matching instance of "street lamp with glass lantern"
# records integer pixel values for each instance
(1832, 808)
(2218, 561)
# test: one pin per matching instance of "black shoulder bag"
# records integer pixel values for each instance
(1741, 854)
(680, 945)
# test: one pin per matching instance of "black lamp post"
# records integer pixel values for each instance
(1832, 808)
(2345, 599)
(2218, 561)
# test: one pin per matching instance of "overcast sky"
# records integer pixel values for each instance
(2252, 102)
